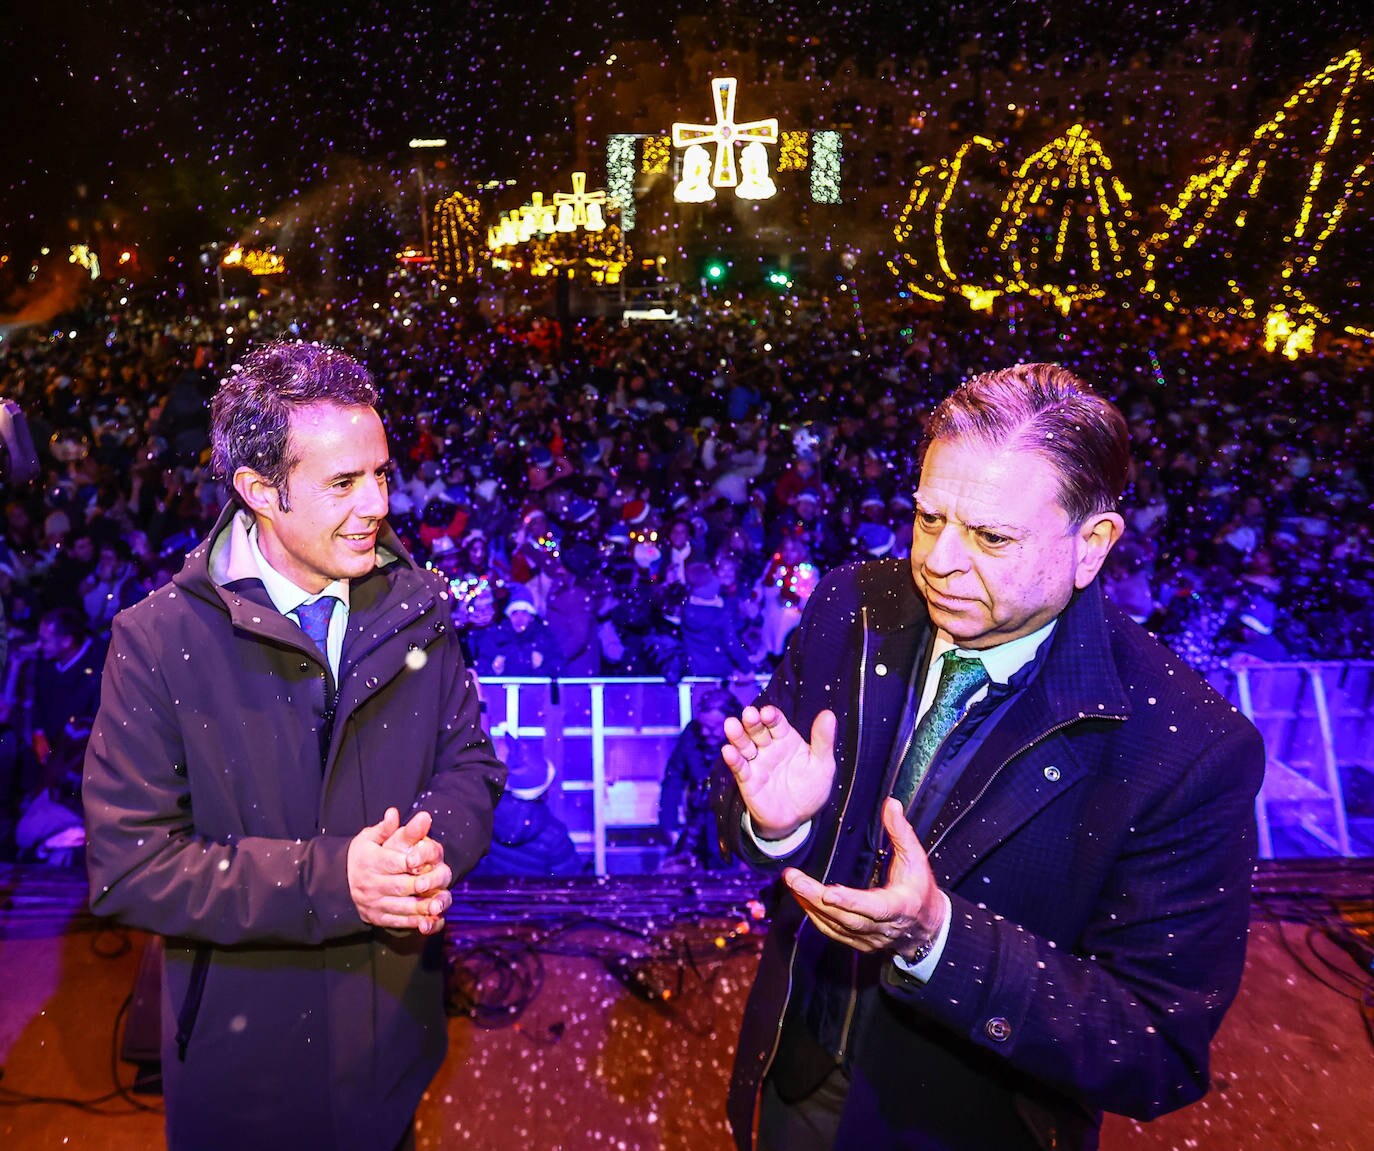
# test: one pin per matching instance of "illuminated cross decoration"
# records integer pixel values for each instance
(536, 216)
(725, 133)
(580, 208)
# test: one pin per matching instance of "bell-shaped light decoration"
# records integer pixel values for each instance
(565, 218)
(755, 182)
(695, 185)
(595, 220)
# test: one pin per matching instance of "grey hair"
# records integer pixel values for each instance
(1046, 409)
(250, 417)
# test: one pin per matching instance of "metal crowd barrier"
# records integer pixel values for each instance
(1317, 720)
(605, 742)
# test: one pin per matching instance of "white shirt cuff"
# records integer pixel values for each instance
(922, 971)
(777, 848)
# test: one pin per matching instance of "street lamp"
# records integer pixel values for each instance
(418, 145)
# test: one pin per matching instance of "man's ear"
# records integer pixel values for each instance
(1096, 536)
(260, 497)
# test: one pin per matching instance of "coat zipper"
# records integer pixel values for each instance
(839, 830)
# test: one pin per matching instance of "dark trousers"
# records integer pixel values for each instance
(809, 1124)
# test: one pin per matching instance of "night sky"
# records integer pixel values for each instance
(209, 114)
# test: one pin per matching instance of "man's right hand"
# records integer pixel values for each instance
(784, 781)
(396, 875)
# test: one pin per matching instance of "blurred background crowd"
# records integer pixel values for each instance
(661, 499)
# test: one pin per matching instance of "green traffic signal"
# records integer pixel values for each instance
(715, 270)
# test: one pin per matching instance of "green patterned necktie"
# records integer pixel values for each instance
(960, 678)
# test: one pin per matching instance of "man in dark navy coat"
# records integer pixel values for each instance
(1017, 843)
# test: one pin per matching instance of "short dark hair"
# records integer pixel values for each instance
(718, 699)
(68, 622)
(1046, 409)
(250, 417)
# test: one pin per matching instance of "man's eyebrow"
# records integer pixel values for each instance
(1007, 529)
(385, 466)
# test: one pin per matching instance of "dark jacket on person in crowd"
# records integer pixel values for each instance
(1096, 849)
(226, 777)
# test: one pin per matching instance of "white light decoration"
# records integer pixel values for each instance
(825, 167)
(755, 182)
(536, 218)
(724, 134)
(620, 177)
(695, 185)
(575, 207)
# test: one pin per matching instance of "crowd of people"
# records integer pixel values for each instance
(661, 499)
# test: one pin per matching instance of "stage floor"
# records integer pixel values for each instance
(576, 1045)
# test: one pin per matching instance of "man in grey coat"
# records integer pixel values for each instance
(286, 774)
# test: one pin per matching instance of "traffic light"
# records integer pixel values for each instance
(714, 269)
(778, 279)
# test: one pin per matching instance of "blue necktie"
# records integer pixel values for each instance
(315, 618)
(960, 678)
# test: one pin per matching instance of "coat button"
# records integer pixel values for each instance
(371, 681)
(997, 1029)
(880, 669)
(1052, 773)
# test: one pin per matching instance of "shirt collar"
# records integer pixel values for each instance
(1000, 662)
(285, 595)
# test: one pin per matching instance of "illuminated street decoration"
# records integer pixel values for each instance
(579, 208)
(725, 133)
(1286, 334)
(925, 263)
(794, 150)
(825, 167)
(695, 185)
(658, 154)
(755, 182)
(1240, 212)
(600, 255)
(254, 261)
(505, 232)
(536, 218)
(620, 177)
(83, 256)
(457, 218)
(1065, 225)
(529, 238)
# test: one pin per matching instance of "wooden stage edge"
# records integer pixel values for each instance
(602, 1014)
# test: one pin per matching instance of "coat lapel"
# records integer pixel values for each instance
(1021, 766)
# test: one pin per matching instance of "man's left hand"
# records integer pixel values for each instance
(424, 856)
(903, 914)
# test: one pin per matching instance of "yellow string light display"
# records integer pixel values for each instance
(1065, 223)
(254, 261)
(928, 274)
(1208, 223)
(458, 222)
(656, 155)
(795, 149)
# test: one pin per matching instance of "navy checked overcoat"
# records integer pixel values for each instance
(1097, 851)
